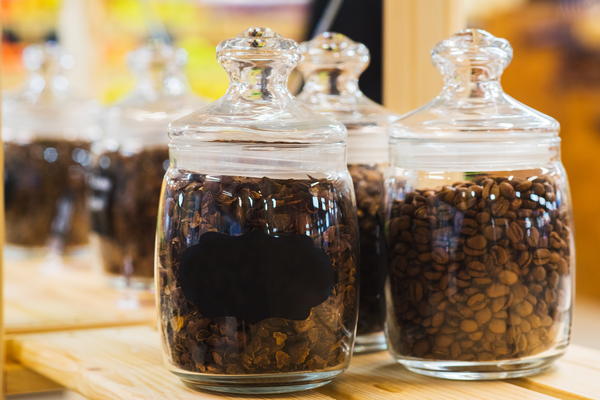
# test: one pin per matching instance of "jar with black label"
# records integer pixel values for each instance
(130, 162)
(47, 130)
(257, 234)
(331, 67)
(479, 226)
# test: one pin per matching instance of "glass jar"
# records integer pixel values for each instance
(130, 162)
(331, 68)
(479, 226)
(47, 131)
(257, 234)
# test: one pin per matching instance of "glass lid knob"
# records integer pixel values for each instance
(157, 54)
(334, 50)
(258, 43)
(474, 50)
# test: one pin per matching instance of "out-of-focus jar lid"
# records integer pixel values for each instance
(331, 68)
(46, 106)
(161, 95)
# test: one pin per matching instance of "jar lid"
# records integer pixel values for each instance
(161, 95)
(257, 106)
(47, 106)
(472, 101)
(331, 69)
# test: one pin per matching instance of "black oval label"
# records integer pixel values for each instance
(256, 276)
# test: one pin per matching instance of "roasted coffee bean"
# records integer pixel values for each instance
(508, 277)
(46, 198)
(507, 190)
(482, 285)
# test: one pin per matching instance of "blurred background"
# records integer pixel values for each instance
(556, 66)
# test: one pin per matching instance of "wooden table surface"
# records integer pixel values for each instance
(61, 294)
(125, 364)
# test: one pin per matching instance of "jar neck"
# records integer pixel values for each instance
(332, 82)
(472, 83)
(258, 81)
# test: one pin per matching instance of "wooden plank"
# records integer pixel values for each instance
(411, 29)
(575, 377)
(21, 380)
(47, 295)
(126, 363)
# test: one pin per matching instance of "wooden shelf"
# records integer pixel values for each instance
(21, 380)
(50, 295)
(125, 363)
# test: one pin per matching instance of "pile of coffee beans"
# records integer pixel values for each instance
(46, 197)
(125, 190)
(479, 270)
(368, 186)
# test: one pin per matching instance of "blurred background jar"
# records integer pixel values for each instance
(257, 235)
(131, 160)
(331, 68)
(479, 226)
(47, 131)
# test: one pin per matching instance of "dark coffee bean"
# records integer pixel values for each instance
(440, 255)
(477, 242)
(499, 254)
(539, 274)
(497, 326)
(497, 290)
(508, 277)
(541, 256)
(492, 233)
(499, 207)
(515, 233)
(468, 325)
(533, 237)
(507, 190)
(525, 185)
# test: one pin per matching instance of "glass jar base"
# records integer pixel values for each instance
(370, 343)
(257, 384)
(482, 370)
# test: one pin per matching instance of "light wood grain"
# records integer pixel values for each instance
(411, 29)
(575, 377)
(126, 363)
(47, 295)
(2, 355)
(21, 380)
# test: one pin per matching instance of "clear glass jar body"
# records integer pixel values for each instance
(257, 235)
(331, 67)
(479, 231)
(263, 324)
(130, 162)
(47, 137)
(481, 270)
